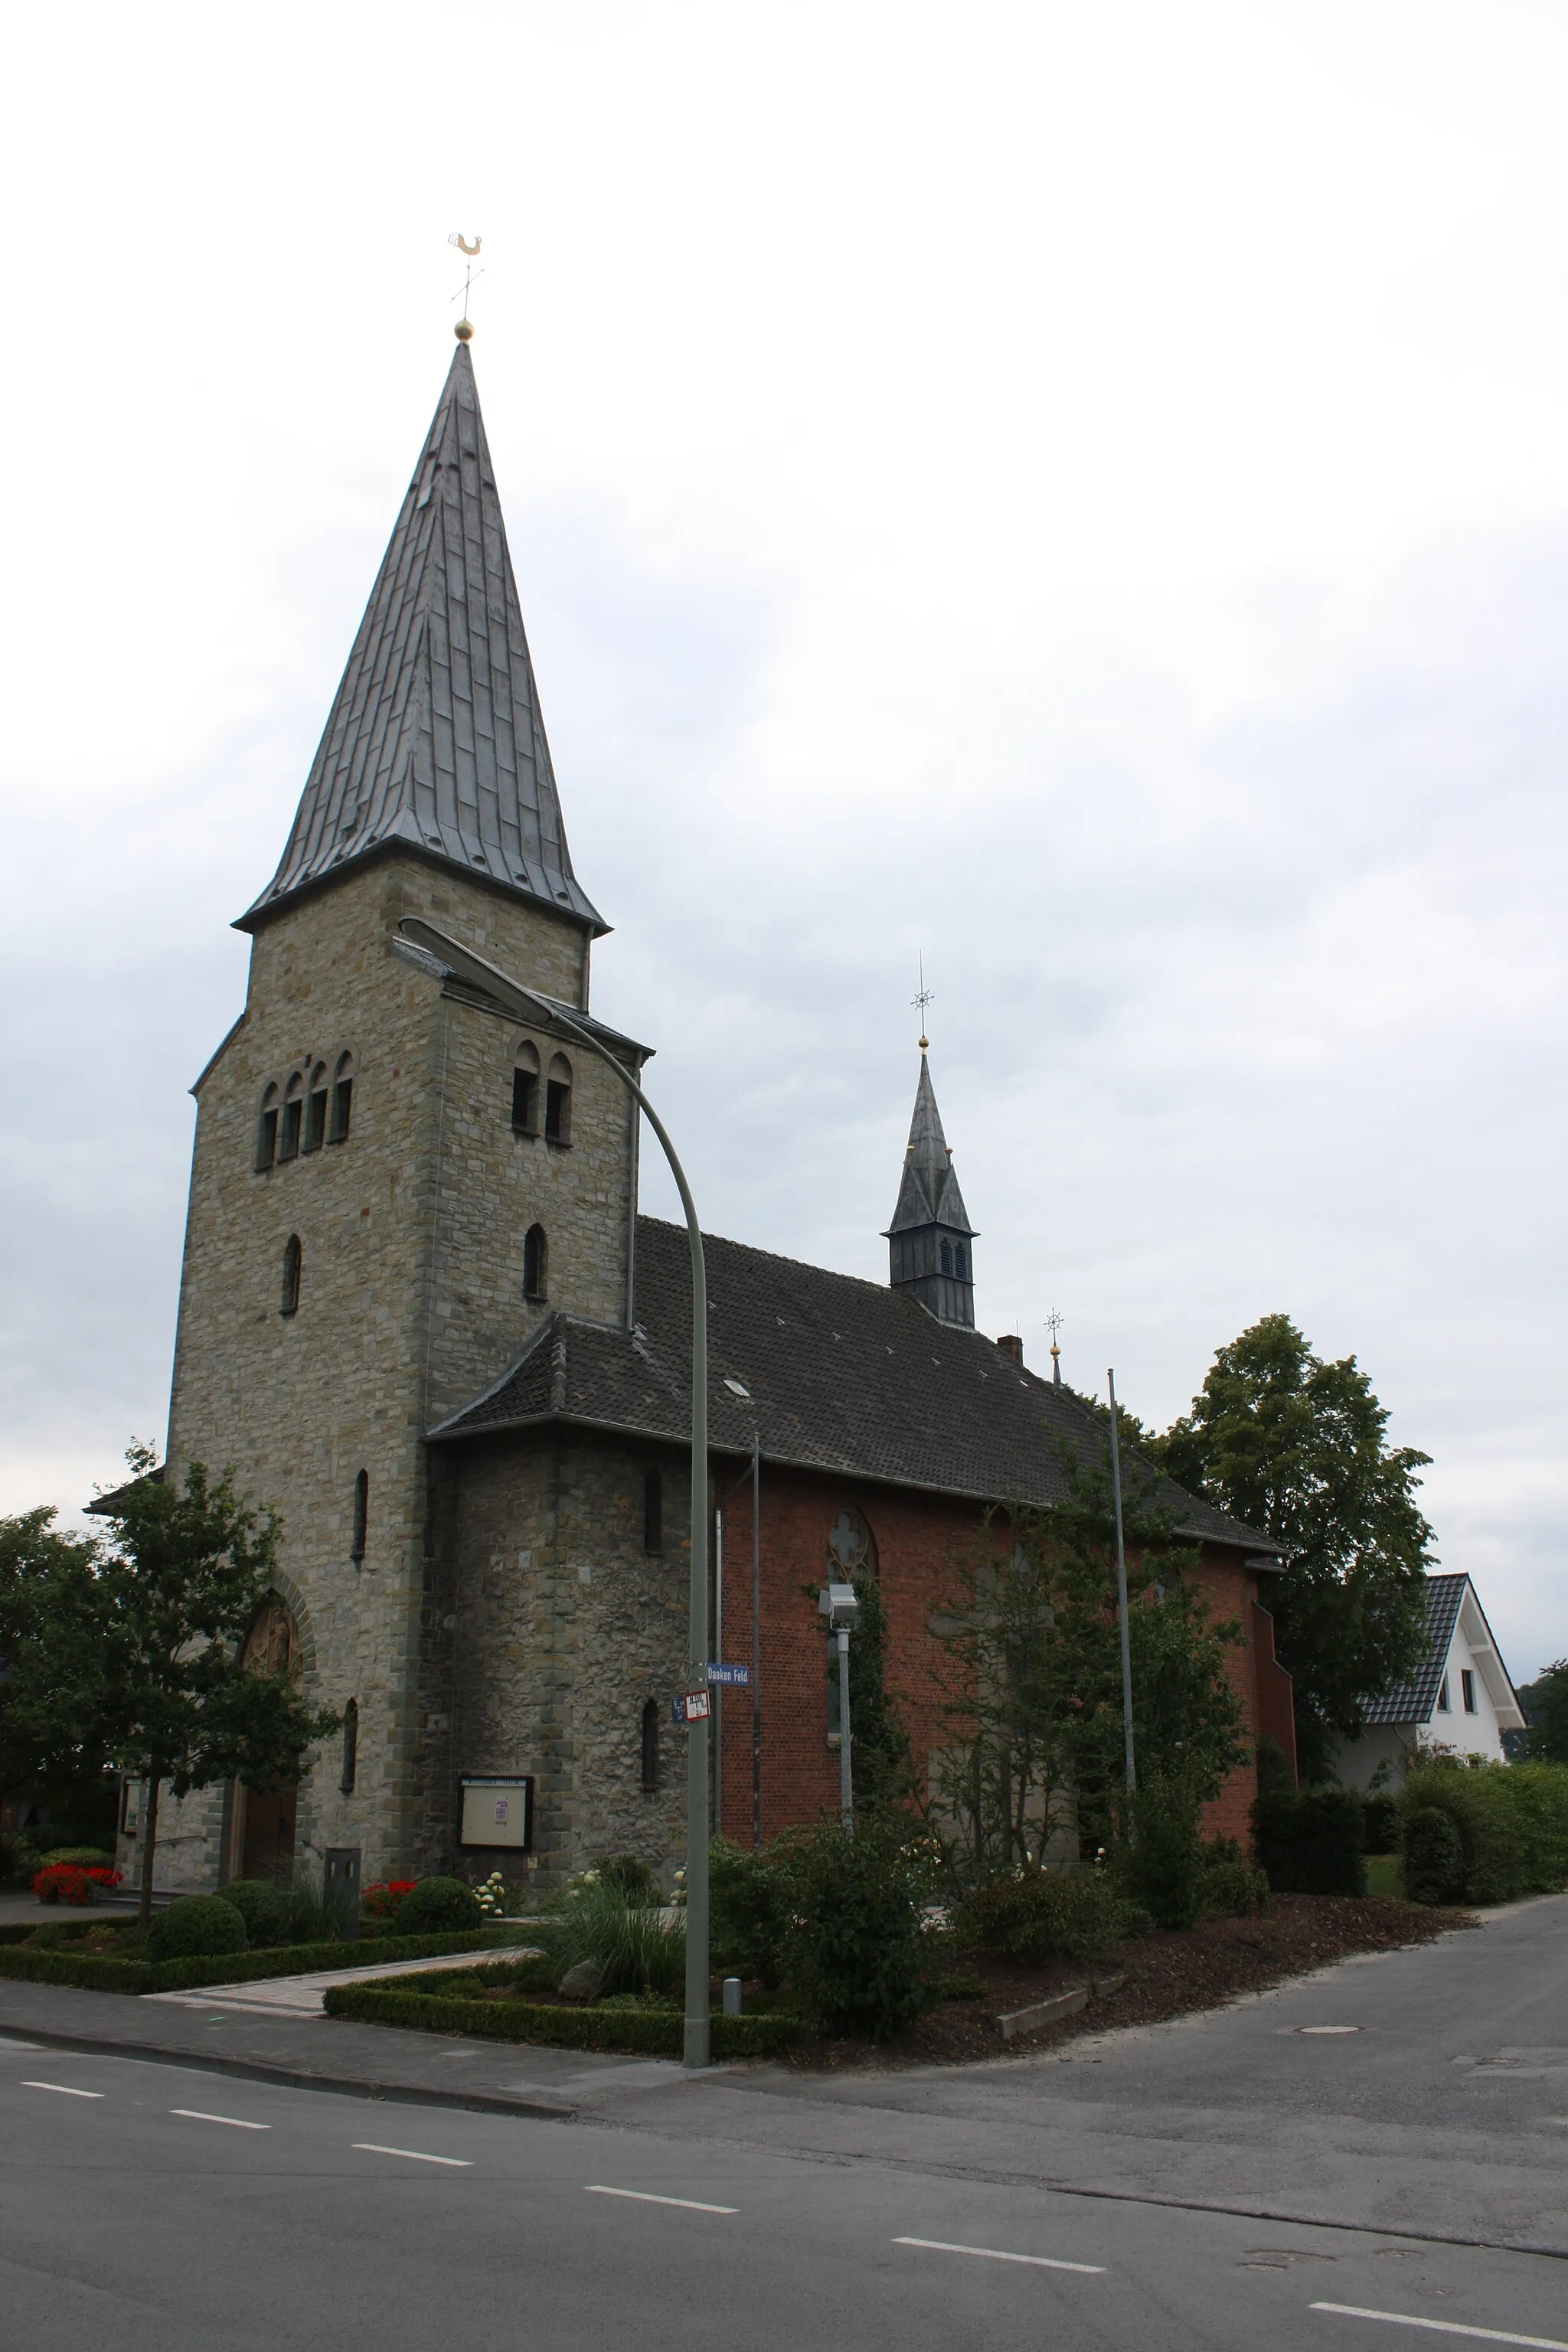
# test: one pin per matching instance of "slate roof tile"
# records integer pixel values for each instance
(843, 1375)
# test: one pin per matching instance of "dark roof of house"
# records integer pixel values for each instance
(839, 1375)
(435, 743)
(105, 1507)
(1412, 1701)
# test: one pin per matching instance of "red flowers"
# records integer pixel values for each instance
(66, 1882)
(378, 1902)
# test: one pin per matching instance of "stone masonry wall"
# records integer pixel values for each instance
(411, 1231)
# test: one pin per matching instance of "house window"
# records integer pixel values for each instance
(342, 1099)
(362, 1516)
(293, 1118)
(653, 1512)
(525, 1091)
(651, 1747)
(535, 1262)
(351, 1748)
(316, 1110)
(1467, 1689)
(558, 1100)
(293, 1266)
(1443, 1697)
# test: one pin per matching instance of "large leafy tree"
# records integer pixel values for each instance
(1297, 1448)
(1545, 1705)
(140, 1656)
(50, 1731)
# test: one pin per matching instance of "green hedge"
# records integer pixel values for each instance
(1310, 1841)
(90, 1973)
(659, 2032)
(1511, 1824)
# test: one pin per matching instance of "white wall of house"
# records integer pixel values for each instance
(1479, 1705)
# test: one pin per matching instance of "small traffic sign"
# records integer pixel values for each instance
(730, 1677)
(692, 1708)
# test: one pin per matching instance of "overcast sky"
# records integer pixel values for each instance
(1082, 493)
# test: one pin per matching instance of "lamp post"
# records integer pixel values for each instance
(530, 1005)
(1122, 1598)
(840, 1605)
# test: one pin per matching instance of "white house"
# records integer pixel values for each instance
(1459, 1696)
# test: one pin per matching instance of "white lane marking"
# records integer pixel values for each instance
(235, 2123)
(414, 2155)
(1444, 2326)
(995, 2255)
(647, 2197)
(65, 2090)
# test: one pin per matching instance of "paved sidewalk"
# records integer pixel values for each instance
(301, 1996)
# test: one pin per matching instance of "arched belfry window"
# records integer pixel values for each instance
(293, 1267)
(342, 1099)
(653, 1512)
(316, 1110)
(266, 1130)
(651, 1747)
(535, 1262)
(351, 1748)
(362, 1516)
(558, 1100)
(293, 1117)
(525, 1090)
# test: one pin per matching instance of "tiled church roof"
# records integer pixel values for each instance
(842, 1375)
(435, 743)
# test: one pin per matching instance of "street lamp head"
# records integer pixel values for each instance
(840, 1605)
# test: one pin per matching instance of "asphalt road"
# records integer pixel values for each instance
(162, 2208)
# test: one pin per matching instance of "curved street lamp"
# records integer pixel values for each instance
(531, 1006)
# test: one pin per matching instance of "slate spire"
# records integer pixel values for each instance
(436, 744)
(929, 1239)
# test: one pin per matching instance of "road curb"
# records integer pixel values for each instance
(293, 2078)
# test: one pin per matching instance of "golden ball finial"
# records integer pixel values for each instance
(925, 1044)
(463, 331)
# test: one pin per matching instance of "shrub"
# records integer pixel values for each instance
(195, 1927)
(854, 1950)
(1309, 1841)
(1229, 1887)
(435, 1905)
(85, 1857)
(632, 1876)
(1038, 1915)
(1512, 1821)
(626, 1937)
(68, 1881)
(1433, 1855)
(749, 1909)
(19, 1858)
(379, 1904)
(264, 1909)
(1159, 1861)
(1380, 1824)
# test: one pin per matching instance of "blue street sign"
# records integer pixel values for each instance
(730, 1677)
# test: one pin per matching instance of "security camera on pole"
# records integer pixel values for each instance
(840, 1605)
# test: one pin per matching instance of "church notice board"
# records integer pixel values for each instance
(498, 1811)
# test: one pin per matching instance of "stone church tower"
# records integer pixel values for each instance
(393, 1186)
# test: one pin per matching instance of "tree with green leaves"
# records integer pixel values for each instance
(1545, 1705)
(46, 1594)
(1297, 1448)
(141, 1655)
(1034, 1701)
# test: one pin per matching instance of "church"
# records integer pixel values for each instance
(422, 1316)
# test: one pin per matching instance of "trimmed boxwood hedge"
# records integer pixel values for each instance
(659, 2032)
(90, 1973)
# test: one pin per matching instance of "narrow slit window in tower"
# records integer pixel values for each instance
(362, 1516)
(351, 1748)
(535, 1262)
(293, 1266)
(558, 1100)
